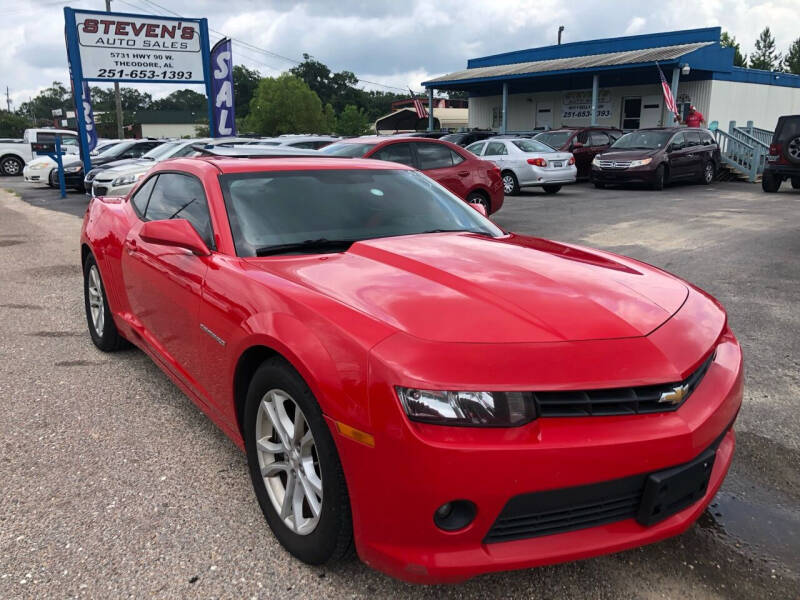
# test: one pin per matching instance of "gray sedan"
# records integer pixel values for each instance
(527, 163)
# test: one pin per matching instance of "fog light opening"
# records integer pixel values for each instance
(454, 515)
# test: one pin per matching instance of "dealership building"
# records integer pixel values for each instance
(556, 86)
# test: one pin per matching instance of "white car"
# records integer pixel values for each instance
(527, 163)
(305, 142)
(16, 154)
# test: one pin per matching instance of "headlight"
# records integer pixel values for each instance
(596, 161)
(474, 409)
(640, 163)
(126, 179)
(72, 169)
(38, 164)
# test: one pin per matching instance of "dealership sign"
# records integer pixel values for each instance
(222, 89)
(577, 104)
(120, 47)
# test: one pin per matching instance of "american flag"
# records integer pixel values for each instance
(421, 112)
(668, 98)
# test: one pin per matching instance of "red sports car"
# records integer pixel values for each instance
(467, 176)
(407, 379)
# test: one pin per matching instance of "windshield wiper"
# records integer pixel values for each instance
(457, 231)
(306, 246)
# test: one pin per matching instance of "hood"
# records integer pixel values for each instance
(111, 164)
(133, 166)
(628, 154)
(455, 287)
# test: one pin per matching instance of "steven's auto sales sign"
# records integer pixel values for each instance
(117, 47)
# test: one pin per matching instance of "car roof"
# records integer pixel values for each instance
(225, 164)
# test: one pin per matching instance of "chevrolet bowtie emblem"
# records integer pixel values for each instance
(675, 395)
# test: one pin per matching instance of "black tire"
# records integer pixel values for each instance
(551, 189)
(770, 183)
(510, 183)
(599, 185)
(480, 198)
(11, 166)
(658, 178)
(796, 183)
(52, 178)
(332, 537)
(792, 150)
(708, 174)
(108, 338)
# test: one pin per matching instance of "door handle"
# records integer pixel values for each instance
(463, 173)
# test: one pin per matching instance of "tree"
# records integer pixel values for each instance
(765, 56)
(329, 122)
(40, 107)
(352, 121)
(285, 104)
(245, 83)
(728, 41)
(186, 100)
(338, 89)
(12, 125)
(792, 62)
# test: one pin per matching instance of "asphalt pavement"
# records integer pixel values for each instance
(115, 485)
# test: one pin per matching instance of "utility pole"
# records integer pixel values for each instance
(8, 100)
(117, 99)
(560, 29)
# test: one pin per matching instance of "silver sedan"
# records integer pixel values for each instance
(527, 163)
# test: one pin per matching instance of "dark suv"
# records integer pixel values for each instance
(783, 161)
(584, 142)
(657, 156)
(465, 138)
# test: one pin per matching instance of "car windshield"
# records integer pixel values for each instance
(114, 150)
(643, 140)
(347, 149)
(554, 139)
(162, 151)
(308, 211)
(532, 146)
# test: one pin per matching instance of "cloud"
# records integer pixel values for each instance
(398, 44)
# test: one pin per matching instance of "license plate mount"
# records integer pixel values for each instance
(670, 491)
(557, 164)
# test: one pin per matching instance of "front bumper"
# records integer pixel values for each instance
(105, 188)
(413, 469)
(634, 175)
(537, 176)
(36, 175)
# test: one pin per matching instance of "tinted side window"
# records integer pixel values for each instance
(476, 148)
(433, 156)
(678, 142)
(614, 135)
(708, 139)
(399, 153)
(598, 138)
(177, 196)
(693, 138)
(496, 149)
(142, 195)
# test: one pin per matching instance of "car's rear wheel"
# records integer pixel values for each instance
(770, 183)
(796, 183)
(510, 183)
(551, 189)
(52, 178)
(707, 176)
(793, 150)
(658, 178)
(480, 198)
(102, 329)
(294, 466)
(11, 166)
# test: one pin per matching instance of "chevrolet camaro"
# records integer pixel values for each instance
(409, 381)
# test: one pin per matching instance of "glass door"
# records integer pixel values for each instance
(631, 113)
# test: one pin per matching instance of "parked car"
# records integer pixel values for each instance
(465, 138)
(657, 156)
(783, 160)
(468, 177)
(117, 178)
(16, 154)
(525, 162)
(407, 378)
(305, 142)
(435, 135)
(583, 142)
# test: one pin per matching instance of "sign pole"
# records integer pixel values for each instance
(60, 163)
(73, 53)
(207, 75)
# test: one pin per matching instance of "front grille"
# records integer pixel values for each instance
(99, 190)
(567, 509)
(618, 401)
(614, 164)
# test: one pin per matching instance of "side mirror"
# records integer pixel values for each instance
(174, 232)
(479, 207)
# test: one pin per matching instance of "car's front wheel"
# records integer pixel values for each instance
(294, 466)
(510, 184)
(102, 329)
(770, 183)
(480, 198)
(707, 176)
(11, 165)
(659, 178)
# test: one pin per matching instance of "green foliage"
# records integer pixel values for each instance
(337, 89)
(185, 100)
(245, 83)
(285, 104)
(792, 61)
(766, 56)
(40, 108)
(329, 121)
(352, 121)
(12, 125)
(728, 41)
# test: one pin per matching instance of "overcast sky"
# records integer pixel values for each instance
(392, 43)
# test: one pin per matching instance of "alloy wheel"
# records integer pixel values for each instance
(508, 184)
(11, 167)
(708, 174)
(96, 303)
(288, 460)
(794, 149)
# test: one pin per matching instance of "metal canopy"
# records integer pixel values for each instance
(610, 59)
